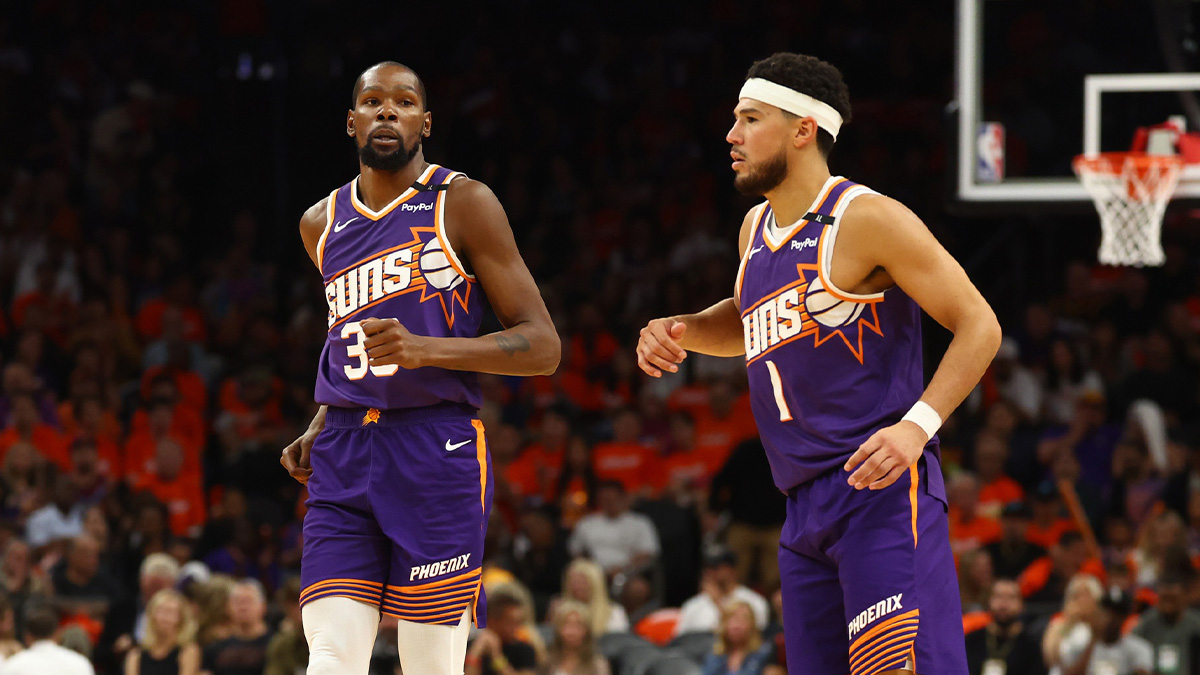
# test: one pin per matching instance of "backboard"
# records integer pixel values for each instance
(1040, 82)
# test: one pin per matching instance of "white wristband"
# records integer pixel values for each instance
(923, 415)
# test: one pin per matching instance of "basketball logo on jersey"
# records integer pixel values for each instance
(419, 265)
(802, 308)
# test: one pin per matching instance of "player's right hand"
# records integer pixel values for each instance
(658, 346)
(295, 458)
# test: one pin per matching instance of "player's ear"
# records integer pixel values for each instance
(804, 131)
(427, 125)
(350, 123)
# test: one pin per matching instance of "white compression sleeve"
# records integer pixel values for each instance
(433, 650)
(341, 633)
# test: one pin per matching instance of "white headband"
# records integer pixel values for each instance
(794, 102)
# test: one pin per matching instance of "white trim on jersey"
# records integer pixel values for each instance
(440, 221)
(783, 233)
(325, 234)
(829, 238)
(376, 215)
(737, 284)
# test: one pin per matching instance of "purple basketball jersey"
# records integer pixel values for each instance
(826, 368)
(393, 263)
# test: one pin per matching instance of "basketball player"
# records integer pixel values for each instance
(398, 478)
(826, 311)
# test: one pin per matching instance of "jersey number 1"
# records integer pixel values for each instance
(785, 415)
(358, 350)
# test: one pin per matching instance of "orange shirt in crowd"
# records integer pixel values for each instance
(716, 438)
(690, 397)
(694, 468)
(535, 471)
(183, 497)
(967, 535)
(1035, 577)
(631, 464)
(602, 349)
(110, 426)
(186, 425)
(1049, 536)
(994, 495)
(193, 393)
(141, 450)
(46, 439)
(148, 321)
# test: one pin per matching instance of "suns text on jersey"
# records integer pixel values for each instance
(369, 282)
(775, 320)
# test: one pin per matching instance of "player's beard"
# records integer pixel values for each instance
(393, 161)
(756, 182)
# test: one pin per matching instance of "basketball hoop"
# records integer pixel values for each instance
(1131, 191)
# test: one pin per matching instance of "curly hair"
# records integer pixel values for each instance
(807, 75)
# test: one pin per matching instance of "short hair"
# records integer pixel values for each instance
(253, 584)
(159, 565)
(358, 83)
(41, 622)
(501, 602)
(807, 75)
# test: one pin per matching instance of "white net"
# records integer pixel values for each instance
(1131, 191)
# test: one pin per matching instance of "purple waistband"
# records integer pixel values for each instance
(346, 418)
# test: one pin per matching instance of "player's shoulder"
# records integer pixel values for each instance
(877, 212)
(468, 190)
(316, 216)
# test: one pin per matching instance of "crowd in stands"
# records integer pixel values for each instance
(160, 327)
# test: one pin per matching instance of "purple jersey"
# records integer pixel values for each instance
(826, 368)
(393, 263)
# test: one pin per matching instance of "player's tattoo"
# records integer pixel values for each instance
(511, 344)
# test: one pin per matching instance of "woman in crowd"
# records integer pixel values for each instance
(739, 649)
(1073, 626)
(584, 582)
(169, 645)
(573, 649)
(975, 577)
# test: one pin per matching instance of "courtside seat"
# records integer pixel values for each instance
(674, 665)
(638, 659)
(614, 645)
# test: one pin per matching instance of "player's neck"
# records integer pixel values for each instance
(792, 198)
(378, 188)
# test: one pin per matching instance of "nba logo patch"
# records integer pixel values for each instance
(989, 167)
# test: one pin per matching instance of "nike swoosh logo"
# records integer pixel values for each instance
(452, 448)
(338, 227)
(753, 251)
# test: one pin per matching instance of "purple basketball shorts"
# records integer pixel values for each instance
(868, 577)
(398, 503)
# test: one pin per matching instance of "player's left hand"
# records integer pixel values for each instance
(390, 343)
(886, 455)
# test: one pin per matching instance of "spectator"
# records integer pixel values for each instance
(583, 582)
(718, 586)
(1071, 631)
(1004, 645)
(996, 489)
(21, 581)
(25, 426)
(44, 656)
(1048, 524)
(1172, 628)
(90, 483)
(540, 556)
(1046, 580)
(182, 492)
(1006, 378)
(497, 649)
(168, 646)
(574, 489)
(638, 599)
(9, 644)
(743, 488)
(61, 519)
(573, 647)
(1067, 381)
(975, 578)
(615, 538)
(969, 529)
(287, 652)
(625, 458)
(244, 652)
(126, 621)
(1109, 652)
(1162, 544)
(1013, 553)
(79, 586)
(739, 648)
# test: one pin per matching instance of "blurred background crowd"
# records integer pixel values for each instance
(160, 326)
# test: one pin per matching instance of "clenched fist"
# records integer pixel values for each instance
(658, 346)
